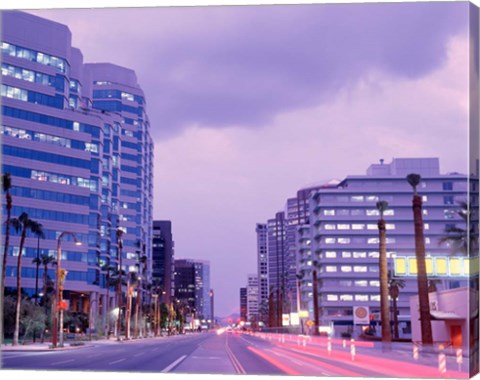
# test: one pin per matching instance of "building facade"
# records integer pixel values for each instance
(262, 272)
(192, 286)
(343, 236)
(76, 165)
(252, 298)
(163, 258)
(243, 304)
(277, 274)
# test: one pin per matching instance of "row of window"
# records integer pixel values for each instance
(355, 226)
(47, 195)
(57, 82)
(35, 56)
(356, 212)
(33, 252)
(37, 214)
(45, 157)
(116, 106)
(51, 120)
(360, 240)
(117, 94)
(24, 134)
(349, 268)
(32, 96)
(351, 297)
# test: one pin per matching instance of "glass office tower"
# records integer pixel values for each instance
(79, 163)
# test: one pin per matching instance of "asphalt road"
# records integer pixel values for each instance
(228, 354)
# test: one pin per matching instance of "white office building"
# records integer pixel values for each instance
(342, 238)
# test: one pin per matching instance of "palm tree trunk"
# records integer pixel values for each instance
(384, 309)
(422, 280)
(19, 289)
(4, 260)
(315, 302)
(107, 302)
(395, 318)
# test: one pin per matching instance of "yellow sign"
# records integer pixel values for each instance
(303, 314)
(310, 323)
(458, 266)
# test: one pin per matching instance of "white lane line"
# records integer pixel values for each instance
(139, 354)
(117, 361)
(174, 364)
(63, 362)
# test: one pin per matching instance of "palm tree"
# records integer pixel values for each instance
(422, 279)
(110, 270)
(119, 234)
(394, 285)
(461, 239)
(23, 223)
(384, 309)
(6, 185)
(45, 260)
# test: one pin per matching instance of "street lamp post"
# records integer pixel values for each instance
(59, 279)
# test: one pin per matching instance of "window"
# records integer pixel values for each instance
(389, 212)
(332, 297)
(346, 297)
(373, 212)
(390, 226)
(359, 255)
(372, 226)
(360, 268)
(448, 214)
(345, 283)
(330, 254)
(329, 226)
(357, 198)
(424, 198)
(358, 226)
(357, 212)
(374, 283)
(343, 226)
(343, 240)
(373, 254)
(375, 297)
(372, 240)
(342, 212)
(372, 198)
(346, 254)
(361, 297)
(448, 200)
(362, 283)
(426, 226)
(329, 240)
(345, 268)
(447, 186)
(329, 212)
(373, 268)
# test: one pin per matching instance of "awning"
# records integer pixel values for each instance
(444, 315)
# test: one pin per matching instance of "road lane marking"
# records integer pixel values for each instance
(174, 364)
(139, 354)
(236, 364)
(63, 362)
(117, 361)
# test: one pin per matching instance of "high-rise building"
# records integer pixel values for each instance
(344, 237)
(243, 304)
(262, 272)
(252, 298)
(76, 141)
(192, 286)
(184, 278)
(276, 268)
(163, 258)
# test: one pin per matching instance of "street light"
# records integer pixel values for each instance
(60, 278)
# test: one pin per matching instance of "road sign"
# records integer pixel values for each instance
(310, 323)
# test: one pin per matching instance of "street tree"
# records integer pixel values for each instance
(24, 224)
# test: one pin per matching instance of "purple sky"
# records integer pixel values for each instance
(250, 104)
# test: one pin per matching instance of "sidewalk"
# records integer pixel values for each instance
(39, 347)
